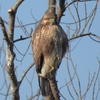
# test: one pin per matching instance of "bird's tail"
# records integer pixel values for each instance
(44, 86)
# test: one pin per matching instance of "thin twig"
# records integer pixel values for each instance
(94, 85)
(89, 84)
(95, 9)
(25, 72)
(22, 38)
(86, 34)
(72, 81)
(79, 84)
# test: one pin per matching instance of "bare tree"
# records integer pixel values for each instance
(9, 52)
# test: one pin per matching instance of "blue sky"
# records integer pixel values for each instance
(84, 55)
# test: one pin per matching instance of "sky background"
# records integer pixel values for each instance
(84, 55)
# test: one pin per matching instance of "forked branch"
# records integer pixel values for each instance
(10, 55)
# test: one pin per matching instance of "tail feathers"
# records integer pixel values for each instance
(44, 86)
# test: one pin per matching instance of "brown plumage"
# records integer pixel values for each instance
(49, 44)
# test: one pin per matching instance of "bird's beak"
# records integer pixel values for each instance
(52, 20)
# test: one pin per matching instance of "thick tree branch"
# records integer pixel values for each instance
(50, 6)
(61, 9)
(10, 56)
(53, 85)
(12, 12)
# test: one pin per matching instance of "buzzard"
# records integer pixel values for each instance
(49, 45)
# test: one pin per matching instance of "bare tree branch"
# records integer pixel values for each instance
(8, 89)
(4, 30)
(81, 29)
(87, 34)
(9, 50)
(50, 4)
(93, 92)
(90, 82)
(61, 9)
(22, 38)
(25, 72)
(53, 85)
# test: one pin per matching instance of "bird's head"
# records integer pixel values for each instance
(49, 18)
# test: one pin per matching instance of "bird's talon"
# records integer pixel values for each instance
(40, 75)
(51, 68)
(57, 57)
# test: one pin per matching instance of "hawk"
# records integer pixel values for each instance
(49, 45)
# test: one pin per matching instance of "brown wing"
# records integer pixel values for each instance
(65, 45)
(36, 48)
(42, 45)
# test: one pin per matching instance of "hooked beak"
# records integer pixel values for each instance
(52, 20)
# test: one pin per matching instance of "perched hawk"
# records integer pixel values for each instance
(49, 44)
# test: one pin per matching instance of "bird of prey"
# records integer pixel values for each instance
(49, 45)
